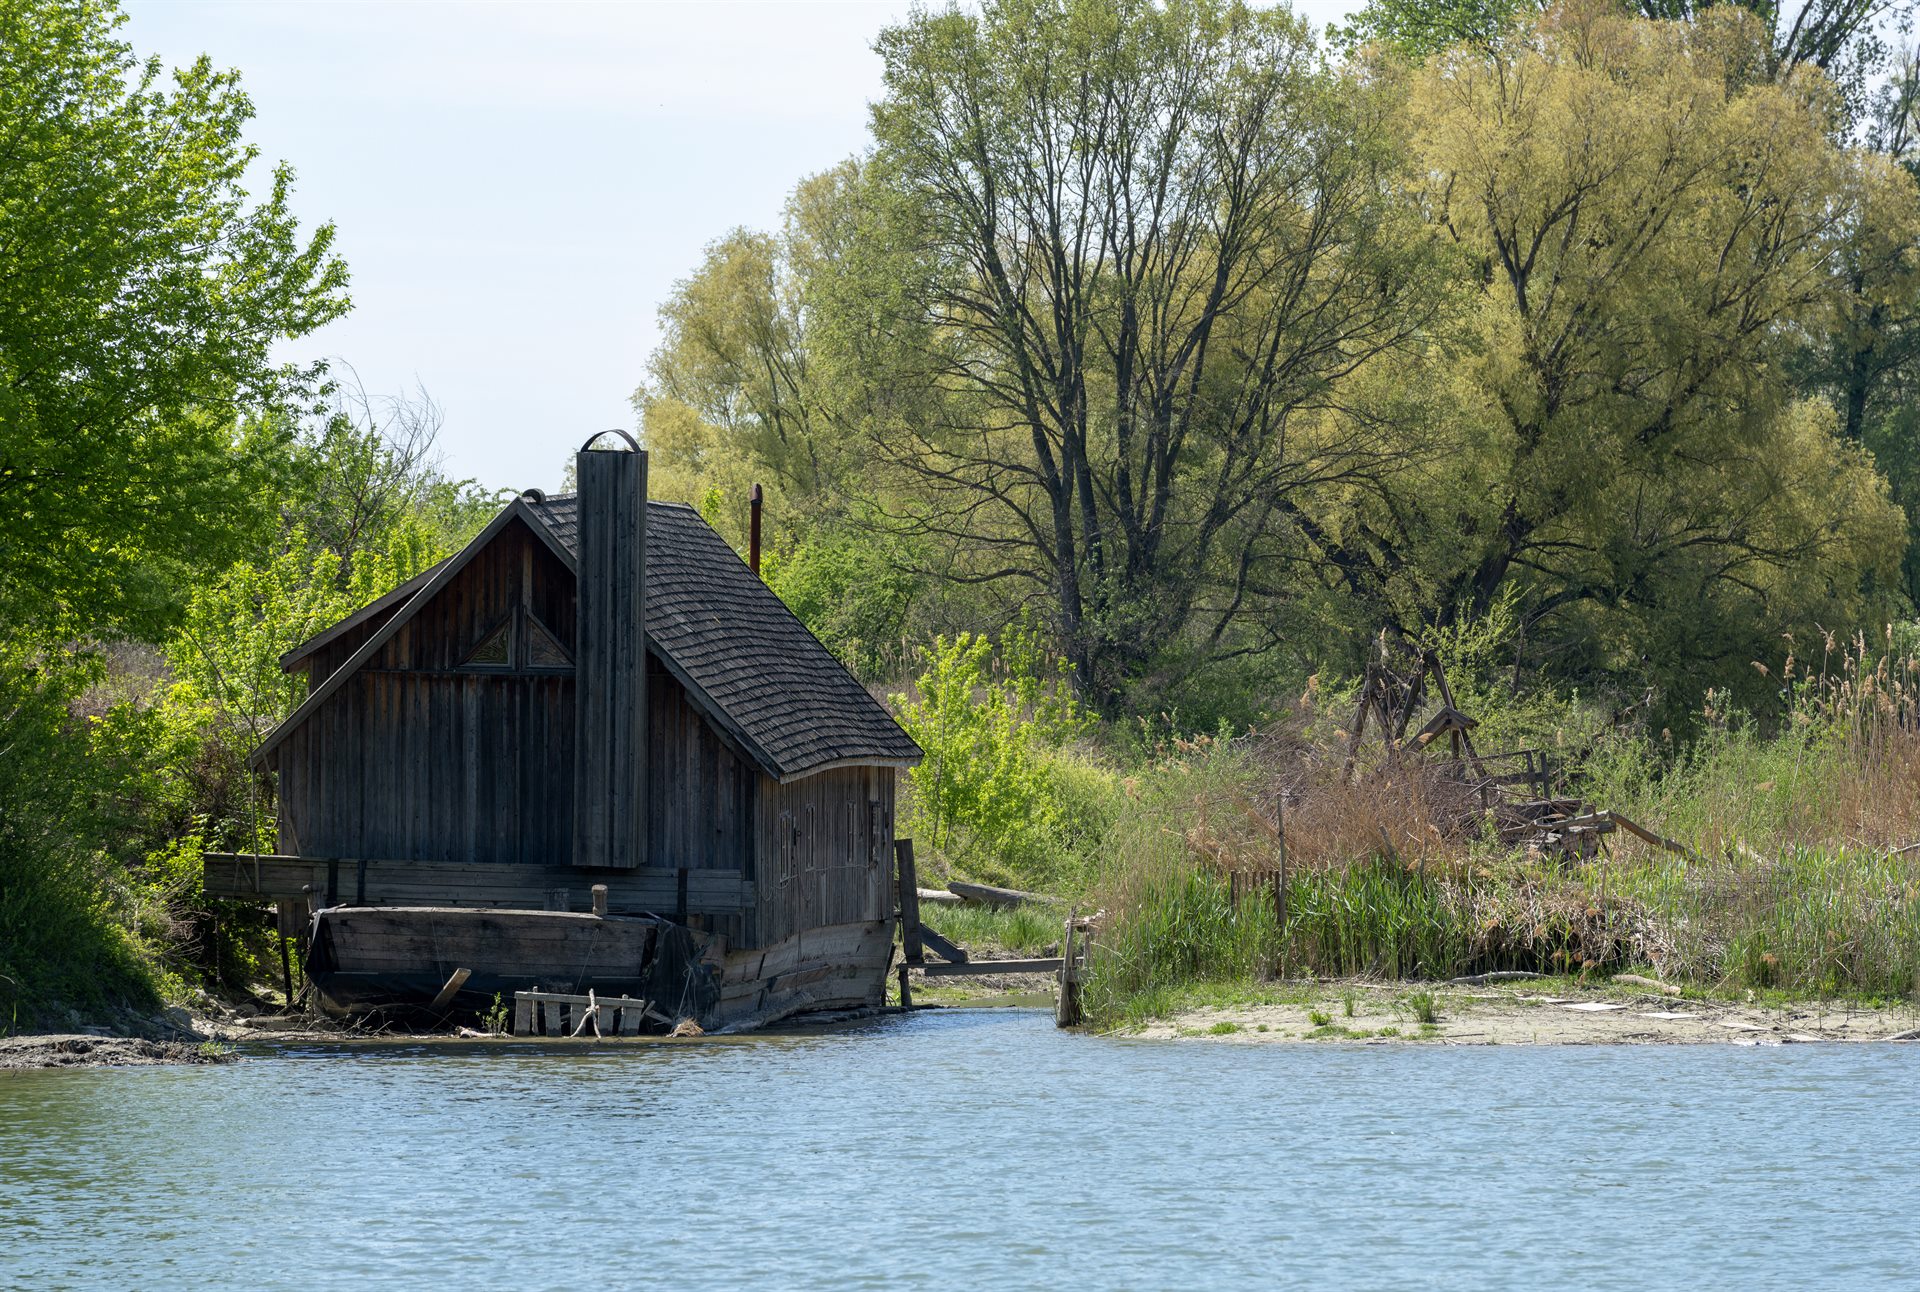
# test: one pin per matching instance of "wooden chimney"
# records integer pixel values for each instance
(610, 665)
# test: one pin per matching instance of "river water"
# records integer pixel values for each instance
(969, 1149)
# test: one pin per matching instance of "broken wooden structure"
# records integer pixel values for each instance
(950, 960)
(591, 752)
(1518, 789)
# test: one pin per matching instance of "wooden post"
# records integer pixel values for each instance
(906, 991)
(1359, 727)
(909, 902)
(600, 899)
(283, 920)
(1066, 1008)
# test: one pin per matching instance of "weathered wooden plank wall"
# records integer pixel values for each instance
(823, 846)
(417, 757)
(700, 797)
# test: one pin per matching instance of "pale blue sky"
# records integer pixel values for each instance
(517, 186)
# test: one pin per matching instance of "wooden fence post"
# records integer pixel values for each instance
(909, 885)
(1066, 1009)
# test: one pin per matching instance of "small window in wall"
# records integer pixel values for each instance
(495, 649)
(789, 845)
(521, 642)
(543, 652)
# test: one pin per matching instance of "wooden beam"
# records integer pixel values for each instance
(946, 950)
(938, 970)
(653, 889)
(991, 896)
(455, 982)
(909, 902)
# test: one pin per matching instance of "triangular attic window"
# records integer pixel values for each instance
(495, 650)
(542, 650)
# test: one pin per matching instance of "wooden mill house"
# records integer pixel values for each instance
(591, 751)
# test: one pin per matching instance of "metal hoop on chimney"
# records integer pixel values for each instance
(631, 442)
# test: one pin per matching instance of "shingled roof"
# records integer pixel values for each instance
(760, 676)
(780, 694)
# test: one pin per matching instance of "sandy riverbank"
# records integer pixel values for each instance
(1381, 1014)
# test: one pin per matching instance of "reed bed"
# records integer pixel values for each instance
(1265, 858)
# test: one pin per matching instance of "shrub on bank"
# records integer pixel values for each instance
(63, 944)
(1007, 793)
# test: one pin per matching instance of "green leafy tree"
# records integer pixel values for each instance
(1136, 248)
(140, 294)
(1653, 233)
(1418, 28)
(852, 593)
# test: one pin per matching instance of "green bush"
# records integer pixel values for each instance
(850, 594)
(63, 804)
(1003, 790)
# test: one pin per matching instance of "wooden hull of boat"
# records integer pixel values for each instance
(402, 956)
(841, 966)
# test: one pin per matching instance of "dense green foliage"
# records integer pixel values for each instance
(1000, 784)
(140, 293)
(1224, 355)
(1153, 366)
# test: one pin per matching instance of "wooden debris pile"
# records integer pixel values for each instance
(1520, 790)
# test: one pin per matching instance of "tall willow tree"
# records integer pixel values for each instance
(1846, 39)
(1656, 231)
(1135, 248)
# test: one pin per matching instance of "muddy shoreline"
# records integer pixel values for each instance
(1550, 1014)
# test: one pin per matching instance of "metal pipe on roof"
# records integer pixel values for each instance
(753, 530)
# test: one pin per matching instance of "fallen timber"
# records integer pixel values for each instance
(989, 895)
